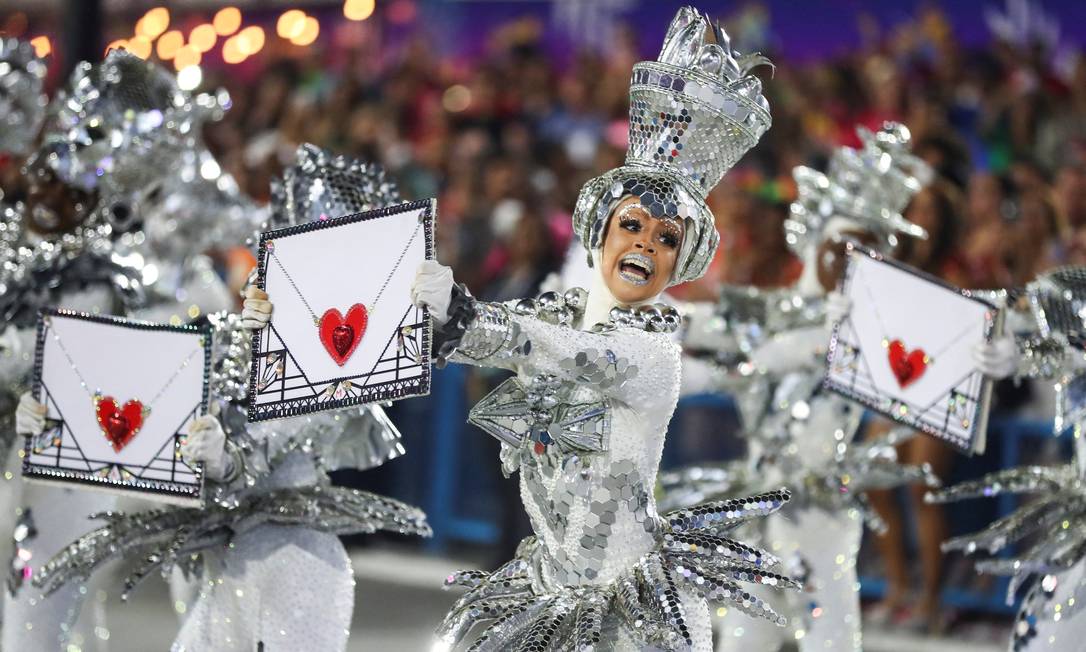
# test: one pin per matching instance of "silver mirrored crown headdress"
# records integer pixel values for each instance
(322, 185)
(694, 112)
(872, 186)
(115, 129)
(22, 98)
(1058, 301)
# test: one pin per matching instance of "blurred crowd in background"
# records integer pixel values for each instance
(506, 140)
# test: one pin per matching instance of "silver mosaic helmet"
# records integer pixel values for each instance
(1057, 299)
(872, 186)
(22, 99)
(694, 112)
(116, 130)
(322, 185)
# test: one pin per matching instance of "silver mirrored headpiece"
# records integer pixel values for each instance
(1058, 301)
(694, 112)
(322, 185)
(22, 97)
(115, 130)
(872, 186)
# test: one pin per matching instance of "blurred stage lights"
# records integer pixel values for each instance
(358, 9)
(186, 56)
(189, 78)
(290, 24)
(250, 40)
(310, 30)
(168, 44)
(42, 46)
(231, 53)
(227, 21)
(153, 23)
(203, 37)
(140, 46)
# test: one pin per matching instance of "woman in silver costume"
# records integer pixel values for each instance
(597, 379)
(1042, 544)
(271, 570)
(774, 345)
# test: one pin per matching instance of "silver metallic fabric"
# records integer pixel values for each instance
(22, 96)
(162, 538)
(648, 603)
(1042, 543)
(694, 112)
(583, 422)
(115, 130)
(871, 185)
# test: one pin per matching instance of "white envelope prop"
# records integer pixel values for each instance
(905, 349)
(343, 331)
(120, 395)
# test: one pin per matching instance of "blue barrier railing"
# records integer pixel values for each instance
(454, 520)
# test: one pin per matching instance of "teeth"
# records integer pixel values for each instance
(638, 261)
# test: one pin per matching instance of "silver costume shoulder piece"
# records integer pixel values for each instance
(33, 270)
(694, 112)
(871, 185)
(22, 96)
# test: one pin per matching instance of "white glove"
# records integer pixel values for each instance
(256, 310)
(997, 359)
(432, 288)
(29, 416)
(838, 306)
(205, 442)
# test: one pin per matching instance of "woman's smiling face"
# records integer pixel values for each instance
(639, 252)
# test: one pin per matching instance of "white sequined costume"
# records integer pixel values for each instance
(584, 422)
(585, 417)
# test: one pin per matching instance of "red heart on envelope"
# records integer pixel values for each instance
(120, 424)
(341, 335)
(908, 366)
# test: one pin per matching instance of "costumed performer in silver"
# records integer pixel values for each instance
(797, 432)
(109, 137)
(22, 109)
(584, 419)
(1042, 543)
(262, 562)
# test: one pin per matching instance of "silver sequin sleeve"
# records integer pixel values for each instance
(610, 361)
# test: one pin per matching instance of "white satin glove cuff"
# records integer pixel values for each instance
(997, 359)
(432, 288)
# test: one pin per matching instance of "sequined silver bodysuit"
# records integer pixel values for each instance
(584, 422)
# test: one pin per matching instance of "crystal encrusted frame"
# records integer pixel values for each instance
(370, 387)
